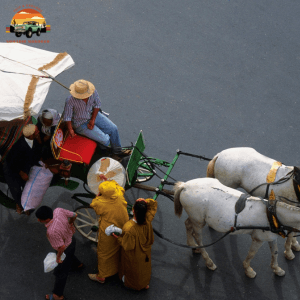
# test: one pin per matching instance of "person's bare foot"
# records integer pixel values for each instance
(95, 277)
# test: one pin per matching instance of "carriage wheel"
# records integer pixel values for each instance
(87, 223)
(145, 171)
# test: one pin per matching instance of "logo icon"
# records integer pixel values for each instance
(27, 22)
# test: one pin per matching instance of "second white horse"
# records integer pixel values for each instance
(207, 201)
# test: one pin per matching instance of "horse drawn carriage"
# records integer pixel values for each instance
(83, 160)
(28, 72)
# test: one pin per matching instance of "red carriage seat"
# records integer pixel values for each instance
(78, 149)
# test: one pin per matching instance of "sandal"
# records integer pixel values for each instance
(95, 277)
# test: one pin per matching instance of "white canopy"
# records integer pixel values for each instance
(22, 95)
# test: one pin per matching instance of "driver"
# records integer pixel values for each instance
(83, 115)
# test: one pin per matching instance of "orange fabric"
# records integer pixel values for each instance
(273, 171)
(112, 208)
(136, 242)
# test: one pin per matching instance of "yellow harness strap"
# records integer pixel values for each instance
(272, 195)
(272, 173)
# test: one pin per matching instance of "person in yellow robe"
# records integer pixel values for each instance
(110, 204)
(136, 241)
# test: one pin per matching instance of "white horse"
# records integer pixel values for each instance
(246, 168)
(207, 201)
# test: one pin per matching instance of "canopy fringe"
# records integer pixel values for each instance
(34, 81)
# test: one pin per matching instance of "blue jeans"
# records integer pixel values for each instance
(104, 132)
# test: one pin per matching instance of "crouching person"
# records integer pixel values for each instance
(136, 241)
(60, 230)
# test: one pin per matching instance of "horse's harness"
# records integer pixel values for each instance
(275, 225)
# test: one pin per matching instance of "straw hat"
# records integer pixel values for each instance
(28, 130)
(82, 89)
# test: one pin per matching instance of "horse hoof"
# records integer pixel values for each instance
(250, 273)
(296, 247)
(279, 272)
(290, 256)
(211, 266)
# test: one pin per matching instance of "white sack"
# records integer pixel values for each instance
(50, 261)
(112, 229)
(36, 187)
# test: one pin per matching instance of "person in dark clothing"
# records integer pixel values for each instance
(17, 165)
(47, 122)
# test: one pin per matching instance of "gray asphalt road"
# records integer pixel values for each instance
(201, 76)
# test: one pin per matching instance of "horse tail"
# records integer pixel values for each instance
(179, 186)
(210, 171)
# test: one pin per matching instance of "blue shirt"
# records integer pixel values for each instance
(79, 112)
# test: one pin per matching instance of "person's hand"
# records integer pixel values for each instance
(23, 175)
(71, 132)
(58, 260)
(72, 220)
(91, 124)
(102, 177)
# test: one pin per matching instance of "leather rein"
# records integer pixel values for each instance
(275, 225)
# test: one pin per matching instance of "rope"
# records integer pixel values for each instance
(89, 192)
(166, 195)
(42, 71)
(24, 74)
(295, 203)
(190, 247)
(279, 181)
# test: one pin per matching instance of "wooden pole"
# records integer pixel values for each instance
(151, 188)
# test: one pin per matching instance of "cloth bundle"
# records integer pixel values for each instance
(112, 229)
(36, 187)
